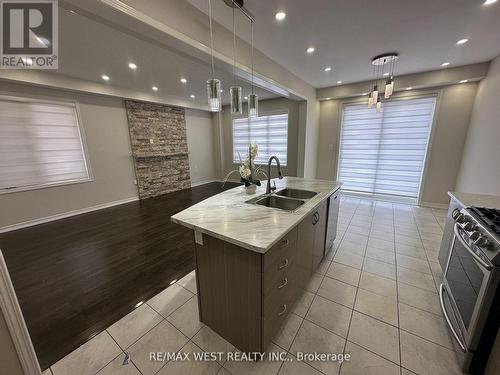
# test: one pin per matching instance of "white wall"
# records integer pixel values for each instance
(480, 167)
(200, 138)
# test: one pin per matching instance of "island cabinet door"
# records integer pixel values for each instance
(319, 234)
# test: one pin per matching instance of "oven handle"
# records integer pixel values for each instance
(474, 255)
(445, 313)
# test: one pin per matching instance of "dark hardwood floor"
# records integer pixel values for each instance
(74, 277)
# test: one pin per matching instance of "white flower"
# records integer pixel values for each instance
(253, 150)
(244, 171)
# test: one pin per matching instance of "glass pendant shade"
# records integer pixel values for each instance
(370, 101)
(253, 106)
(375, 94)
(214, 95)
(379, 105)
(389, 88)
(236, 100)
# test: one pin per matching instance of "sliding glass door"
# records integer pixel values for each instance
(384, 153)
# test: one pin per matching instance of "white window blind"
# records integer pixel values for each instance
(269, 132)
(40, 144)
(384, 153)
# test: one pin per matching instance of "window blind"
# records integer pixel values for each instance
(269, 132)
(384, 153)
(40, 144)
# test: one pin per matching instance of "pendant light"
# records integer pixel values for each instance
(389, 83)
(379, 104)
(379, 62)
(235, 91)
(214, 91)
(253, 99)
(370, 101)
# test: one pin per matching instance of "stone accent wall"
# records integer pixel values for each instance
(159, 147)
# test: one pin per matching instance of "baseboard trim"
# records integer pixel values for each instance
(16, 324)
(64, 215)
(440, 206)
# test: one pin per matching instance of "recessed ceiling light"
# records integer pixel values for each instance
(489, 2)
(409, 88)
(184, 80)
(328, 68)
(462, 41)
(386, 74)
(132, 66)
(310, 50)
(445, 63)
(192, 96)
(280, 16)
(72, 11)
(328, 98)
(464, 81)
(154, 88)
(105, 77)
(339, 82)
(246, 98)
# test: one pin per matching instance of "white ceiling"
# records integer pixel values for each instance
(88, 49)
(348, 33)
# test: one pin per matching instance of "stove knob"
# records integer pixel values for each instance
(475, 235)
(455, 213)
(481, 242)
(460, 218)
(469, 226)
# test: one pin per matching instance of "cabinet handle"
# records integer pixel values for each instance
(285, 282)
(285, 242)
(284, 264)
(283, 310)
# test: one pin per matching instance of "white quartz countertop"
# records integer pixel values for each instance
(478, 200)
(226, 215)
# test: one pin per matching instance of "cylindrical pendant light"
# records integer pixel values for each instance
(379, 104)
(235, 91)
(214, 91)
(375, 94)
(370, 101)
(253, 99)
(389, 87)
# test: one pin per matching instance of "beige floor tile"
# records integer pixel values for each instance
(411, 251)
(414, 264)
(364, 362)
(417, 279)
(436, 270)
(380, 255)
(164, 337)
(261, 367)
(410, 241)
(352, 248)
(426, 358)
(344, 273)
(170, 299)
(192, 366)
(295, 367)
(419, 298)
(330, 315)
(382, 234)
(88, 358)
(381, 244)
(210, 341)
(351, 260)
(129, 328)
(357, 238)
(314, 283)
(323, 267)
(117, 367)
(189, 282)
(378, 284)
(288, 331)
(406, 372)
(186, 318)
(380, 268)
(47, 372)
(302, 305)
(377, 306)
(337, 291)
(432, 256)
(424, 324)
(374, 335)
(312, 338)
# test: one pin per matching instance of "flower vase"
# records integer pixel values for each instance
(251, 189)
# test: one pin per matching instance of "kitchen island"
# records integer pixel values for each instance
(253, 261)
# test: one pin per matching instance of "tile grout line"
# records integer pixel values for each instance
(123, 352)
(397, 297)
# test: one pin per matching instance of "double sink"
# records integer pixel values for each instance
(286, 199)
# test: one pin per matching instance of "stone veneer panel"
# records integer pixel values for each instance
(159, 145)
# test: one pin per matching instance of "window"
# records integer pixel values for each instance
(384, 153)
(269, 132)
(40, 144)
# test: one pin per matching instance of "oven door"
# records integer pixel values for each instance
(467, 279)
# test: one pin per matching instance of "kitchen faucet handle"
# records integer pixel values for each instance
(273, 187)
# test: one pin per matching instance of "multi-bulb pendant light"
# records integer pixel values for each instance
(235, 91)
(379, 63)
(253, 99)
(214, 90)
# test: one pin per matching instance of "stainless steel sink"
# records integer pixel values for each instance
(274, 201)
(296, 193)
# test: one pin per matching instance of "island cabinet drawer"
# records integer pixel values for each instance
(275, 257)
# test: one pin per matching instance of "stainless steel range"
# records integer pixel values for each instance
(469, 293)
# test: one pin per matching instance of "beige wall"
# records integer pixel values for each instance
(280, 105)
(9, 361)
(451, 122)
(480, 167)
(201, 146)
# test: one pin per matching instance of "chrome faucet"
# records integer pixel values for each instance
(269, 189)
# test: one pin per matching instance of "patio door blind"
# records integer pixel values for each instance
(384, 153)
